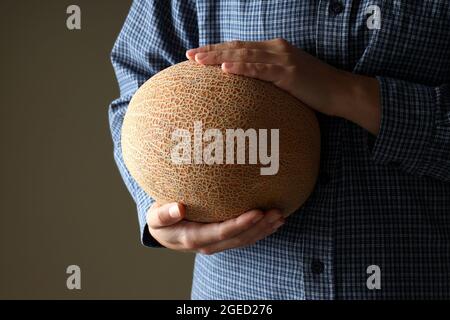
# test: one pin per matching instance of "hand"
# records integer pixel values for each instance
(324, 88)
(166, 225)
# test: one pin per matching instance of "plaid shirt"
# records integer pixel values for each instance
(382, 200)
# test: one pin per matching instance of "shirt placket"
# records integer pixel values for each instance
(333, 18)
(332, 32)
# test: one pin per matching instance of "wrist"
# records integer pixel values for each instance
(357, 100)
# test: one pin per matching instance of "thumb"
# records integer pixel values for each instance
(159, 216)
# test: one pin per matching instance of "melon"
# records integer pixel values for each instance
(194, 101)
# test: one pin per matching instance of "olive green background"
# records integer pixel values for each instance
(62, 200)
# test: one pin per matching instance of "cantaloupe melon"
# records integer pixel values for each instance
(188, 93)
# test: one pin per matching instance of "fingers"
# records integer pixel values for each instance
(166, 226)
(276, 45)
(271, 222)
(160, 216)
(198, 235)
(271, 60)
(262, 71)
(243, 55)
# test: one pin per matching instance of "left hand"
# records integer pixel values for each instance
(321, 86)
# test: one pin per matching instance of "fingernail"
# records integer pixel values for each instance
(174, 212)
(257, 218)
(227, 65)
(200, 56)
(277, 224)
(274, 218)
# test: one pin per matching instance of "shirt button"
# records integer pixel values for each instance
(317, 266)
(336, 7)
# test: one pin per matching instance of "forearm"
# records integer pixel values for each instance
(357, 99)
(411, 121)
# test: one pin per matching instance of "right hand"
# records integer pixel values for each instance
(166, 225)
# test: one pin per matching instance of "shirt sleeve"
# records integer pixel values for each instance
(155, 35)
(415, 128)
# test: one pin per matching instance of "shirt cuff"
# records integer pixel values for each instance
(144, 202)
(407, 125)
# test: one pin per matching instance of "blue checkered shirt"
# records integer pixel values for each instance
(381, 200)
